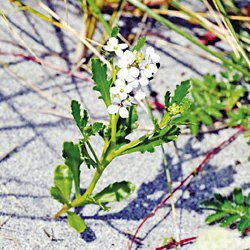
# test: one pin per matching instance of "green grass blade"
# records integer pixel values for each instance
(191, 38)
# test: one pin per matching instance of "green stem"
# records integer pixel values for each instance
(131, 144)
(96, 177)
(191, 38)
(114, 119)
(165, 163)
(151, 114)
(93, 152)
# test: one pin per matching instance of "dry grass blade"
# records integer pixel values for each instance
(223, 15)
(222, 27)
(57, 21)
(27, 83)
(202, 21)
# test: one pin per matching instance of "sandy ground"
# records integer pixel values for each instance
(34, 103)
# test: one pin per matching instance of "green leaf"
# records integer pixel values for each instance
(238, 196)
(248, 200)
(229, 220)
(205, 118)
(215, 217)
(198, 98)
(194, 125)
(97, 127)
(230, 210)
(148, 144)
(214, 112)
(63, 180)
(167, 99)
(115, 192)
(243, 224)
(99, 75)
(76, 222)
(140, 43)
(127, 126)
(57, 194)
(85, 155)
(72, 156)
(115, 31)
(180, 92)
(210, 204)
(81, 122)
(219, 198)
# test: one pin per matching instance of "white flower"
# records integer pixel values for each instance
(119, 107)
(140, 95)
(143, 80)
(134, 84)
(114, 46)
(121, 89)
(128, 74)
(126, 59)
(151, 56)
(148, 69)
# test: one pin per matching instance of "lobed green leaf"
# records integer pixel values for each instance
(140, 43)
(181, 92)
(115, 192)
(72, 156)
(99, 75)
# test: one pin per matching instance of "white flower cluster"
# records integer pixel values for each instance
(134, 70)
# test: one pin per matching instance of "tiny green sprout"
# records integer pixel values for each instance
(132, 70)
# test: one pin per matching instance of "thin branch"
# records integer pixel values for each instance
(196, 171)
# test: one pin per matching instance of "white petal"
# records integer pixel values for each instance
(143, 81)
(129, 56)
(108, 48)
(123, 112)
(126, 103)
(142, 65)
(122, 73)
(147, 73)
(134, 72)
(120, 83)
(122, 46)
(155, 58)
(114, 90)
(113, 109)
(119, 52)
(130, 78)
(122, 62)
(128, 88)
(132, 100)
(140, 95)
(134, 84)
(116, 101)
(113, 41)
(123, 95)
(153, 68)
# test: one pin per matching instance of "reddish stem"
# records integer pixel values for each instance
(193, 173)
(175, 244)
